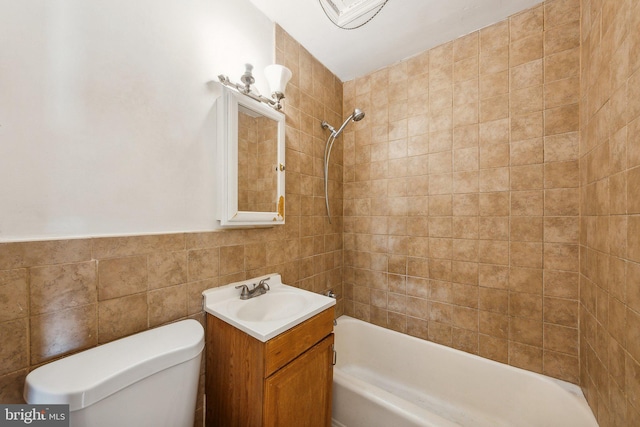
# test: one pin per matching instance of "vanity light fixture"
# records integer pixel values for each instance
(277, 77)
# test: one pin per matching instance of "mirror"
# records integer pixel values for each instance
(250, 162)
(257, 181)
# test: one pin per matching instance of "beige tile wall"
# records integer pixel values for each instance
(461, 210)
(610, 204)
(60, 297)
(463, 189)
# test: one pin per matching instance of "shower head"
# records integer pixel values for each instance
(356, 116)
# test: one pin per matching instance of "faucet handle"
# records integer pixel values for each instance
(245, 291)
(263, 283)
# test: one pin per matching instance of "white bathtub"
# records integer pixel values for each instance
(387, 379)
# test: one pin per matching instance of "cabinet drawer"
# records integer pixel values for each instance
(290, 344)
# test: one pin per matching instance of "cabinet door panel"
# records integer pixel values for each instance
(300, 393)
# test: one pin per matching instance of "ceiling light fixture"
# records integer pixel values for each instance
(344, 12)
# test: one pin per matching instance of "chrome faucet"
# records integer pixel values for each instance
(257, 290)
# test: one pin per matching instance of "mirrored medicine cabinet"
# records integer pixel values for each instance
(250, 161)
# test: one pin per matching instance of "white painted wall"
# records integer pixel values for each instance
(106, 120)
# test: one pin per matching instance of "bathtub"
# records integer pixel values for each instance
(383, 378)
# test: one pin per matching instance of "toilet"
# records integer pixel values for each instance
(148, 379)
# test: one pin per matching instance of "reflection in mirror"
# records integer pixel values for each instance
(257, 178)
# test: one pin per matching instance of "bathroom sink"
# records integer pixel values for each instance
(270, 306)
(268, 315)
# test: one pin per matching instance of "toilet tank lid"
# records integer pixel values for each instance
(85, 378)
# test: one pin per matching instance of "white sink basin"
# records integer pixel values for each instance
(268, 315)
(270, 306)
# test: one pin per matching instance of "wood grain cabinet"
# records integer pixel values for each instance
(283, 382)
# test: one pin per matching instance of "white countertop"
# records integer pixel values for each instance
(268, 315)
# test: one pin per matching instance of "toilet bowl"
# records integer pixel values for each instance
(148, 379)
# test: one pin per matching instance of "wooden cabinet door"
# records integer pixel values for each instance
(300, 393)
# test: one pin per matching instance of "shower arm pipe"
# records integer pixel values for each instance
(339, 131)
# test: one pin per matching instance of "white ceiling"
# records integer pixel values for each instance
(402, 29)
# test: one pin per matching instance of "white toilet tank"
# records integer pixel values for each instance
(148, 379)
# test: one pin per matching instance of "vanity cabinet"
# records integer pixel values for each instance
(283, 382)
